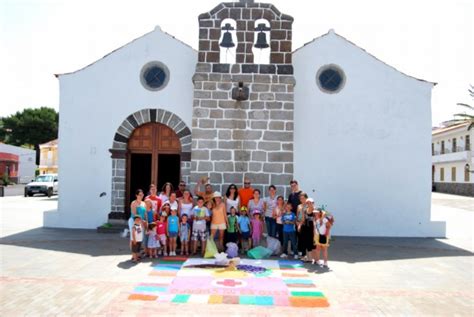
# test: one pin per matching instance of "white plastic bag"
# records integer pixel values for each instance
(274, 245)
(232, 249)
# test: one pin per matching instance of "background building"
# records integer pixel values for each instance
(25, 163)
(328, 114)
(452, 157)
(49, 157)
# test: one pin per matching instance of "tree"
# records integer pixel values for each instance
(30, 127)
(466, 117)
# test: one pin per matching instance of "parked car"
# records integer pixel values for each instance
(43, 184)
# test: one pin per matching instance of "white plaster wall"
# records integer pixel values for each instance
(365, 152)
(94, 102)
(26, 161)
(460, 167)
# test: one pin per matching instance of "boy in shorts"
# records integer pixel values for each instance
(137, 238)
(200, 216)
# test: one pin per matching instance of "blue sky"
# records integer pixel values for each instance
(432, 40)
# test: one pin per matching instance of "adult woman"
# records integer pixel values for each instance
(255, 203)
(307, 230)
(186, 204)
(231, 198)
(269, 206)
(219, 220)
(300, 214)
(166, 191)
(137, 208)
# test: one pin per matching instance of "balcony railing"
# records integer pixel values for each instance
(452, 150)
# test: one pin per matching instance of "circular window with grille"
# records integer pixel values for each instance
(154, 76)
(330, 79)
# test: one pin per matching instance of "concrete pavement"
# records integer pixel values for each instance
(79, 272)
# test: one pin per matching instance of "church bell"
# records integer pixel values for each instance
(261, 36)
(227, 38)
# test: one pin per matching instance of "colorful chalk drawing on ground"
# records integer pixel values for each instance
(285, 283)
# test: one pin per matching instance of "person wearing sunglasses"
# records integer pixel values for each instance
(245, 193)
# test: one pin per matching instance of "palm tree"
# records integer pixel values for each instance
(466, 117)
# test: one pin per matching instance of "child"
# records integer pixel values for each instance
(257, 228)
(200, 216)
(149, 219)
(289, 232)
(184, 232)
(137, 238)
(153, 243)
(233, 227)
(172, 230)
(244, 227)
(321, 235)
(161, 226)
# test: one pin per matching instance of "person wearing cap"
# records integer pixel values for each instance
(294, 197)
(166, 208)
(219, 220)
(208, 193)
(307, 231)
(257, 228)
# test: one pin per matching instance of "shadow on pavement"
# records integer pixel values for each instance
(343, 249)
(79, 241)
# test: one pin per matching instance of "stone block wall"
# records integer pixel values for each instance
(234, 139)
(464, 189)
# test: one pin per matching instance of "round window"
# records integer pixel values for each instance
(154, 76)
(330, 78)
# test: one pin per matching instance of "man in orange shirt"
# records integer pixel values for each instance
(245, 193)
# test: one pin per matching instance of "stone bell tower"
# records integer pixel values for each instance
(243, 112)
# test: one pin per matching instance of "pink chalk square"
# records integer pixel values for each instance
(266, 286)
(281, 300)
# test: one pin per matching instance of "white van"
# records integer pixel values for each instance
(43, 184)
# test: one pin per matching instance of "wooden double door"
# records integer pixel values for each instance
(153, 157)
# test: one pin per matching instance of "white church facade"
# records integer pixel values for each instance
(354, 131)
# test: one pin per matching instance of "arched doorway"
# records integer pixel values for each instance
(120, 191)
(153, 156)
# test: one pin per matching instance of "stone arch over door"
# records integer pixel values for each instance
(119, 148)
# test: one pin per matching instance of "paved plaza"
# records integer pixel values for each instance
(48, 271)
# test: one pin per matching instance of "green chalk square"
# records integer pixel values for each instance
(180, 298)
(307, 294)
(264, 300)
(247, 300)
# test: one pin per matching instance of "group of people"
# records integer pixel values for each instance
(161, 221)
